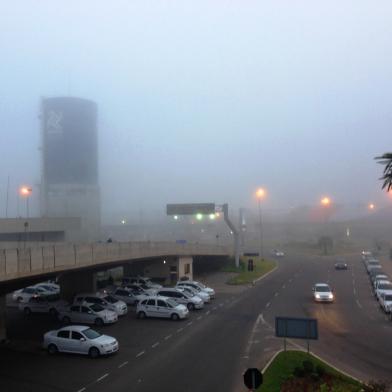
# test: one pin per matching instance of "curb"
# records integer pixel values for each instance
(269, 272)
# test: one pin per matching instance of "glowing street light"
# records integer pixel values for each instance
(175, 217)
(199, 216)
(123, 221)
(25, 191)
(371, 206)
(325, 201)
(260, 193)
(212, 216)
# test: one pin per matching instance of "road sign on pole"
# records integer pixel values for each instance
(253, 378)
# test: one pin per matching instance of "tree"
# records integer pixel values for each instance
(386, 160)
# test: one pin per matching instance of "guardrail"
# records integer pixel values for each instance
(20, 262)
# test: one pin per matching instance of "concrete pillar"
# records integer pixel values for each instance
(3, 329)
(185, 267)
(72, 283)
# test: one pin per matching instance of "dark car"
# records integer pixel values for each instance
(341, 265)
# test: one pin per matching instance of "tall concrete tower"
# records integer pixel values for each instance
(70, 185)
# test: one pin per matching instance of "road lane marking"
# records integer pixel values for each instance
(359, 304)
(155, 345)
(355, 291)
(82, 389)
(268, 305)
(123, 364)
(284, 286)
(180, 329)
(168, 337)
(102, 377)
(208, 312)
(214, 308)
(276, 294)
(190, 323)
(140, 354)
(199, 318)
(290, 280)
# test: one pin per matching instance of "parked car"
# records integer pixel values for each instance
(140, 289)
(51, 304)
(87, 314)
(77, 339)
(195, 292)
(181, 297)
(142, 280)
(23, 295)
(376, 278)
(323, 293)
(105, 300)
(161, 307)
(130, 297)
(50, 287)
(385, 301)
(201, 286)
(383, 286)
(373, 265)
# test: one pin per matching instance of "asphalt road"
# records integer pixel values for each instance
(210, 350)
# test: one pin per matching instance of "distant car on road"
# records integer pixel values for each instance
(323, 293)
(162, 307)
(87, 314)
(77, 339)
(277, 253)
(341, 265)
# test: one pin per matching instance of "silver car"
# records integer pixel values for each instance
(190, 301)
(88, 314)
(195, 291)
(51, 304)
(78, 339)
(161, 307)
(322, 293)
(130, 297)
(105, 300)
(198, 285)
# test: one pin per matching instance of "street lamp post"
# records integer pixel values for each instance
(260, 194)
(26, 192)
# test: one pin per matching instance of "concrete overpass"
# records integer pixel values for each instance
(76, 264)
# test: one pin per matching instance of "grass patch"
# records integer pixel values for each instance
(279, 376)
(244, 276)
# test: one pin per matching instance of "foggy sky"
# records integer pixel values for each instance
(204, 100)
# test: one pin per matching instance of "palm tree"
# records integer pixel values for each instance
(386, 160)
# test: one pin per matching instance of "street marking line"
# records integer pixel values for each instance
(123, 364)
(82, 389)
(190, 323)
(102, 377)
(268, 305)
(199, 318)
(276, 294)
(214, 308)
(359, 304)
(208, 312)
(168, 337)
(180, 329)
(290, 280)
(355, 291)
(155, 345)
(284, 286)
(140, 354)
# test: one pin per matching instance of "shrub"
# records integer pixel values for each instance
(308, 367)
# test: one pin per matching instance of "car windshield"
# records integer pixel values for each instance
(91, 333)
(110, 299)
(323, 289)
(388, 297)
(385, 286)
(96, 308)
(171, 302)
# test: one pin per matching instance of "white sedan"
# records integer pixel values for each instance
(79, 339)
(322, 293)
(386, 302)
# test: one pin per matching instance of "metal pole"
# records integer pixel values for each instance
(7, 196)
(27, 206)
(261, 231)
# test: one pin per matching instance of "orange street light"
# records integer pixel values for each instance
(260, 193)
(25, 191)
(371, 206)
(325, 201)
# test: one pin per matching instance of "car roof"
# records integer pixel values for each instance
(322, 284)
(157, 297)
(74, 328)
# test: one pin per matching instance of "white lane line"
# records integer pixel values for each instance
(214, 308)
(359, 304)
(199, 318)
(208, 312)
(168, 337)
(355, 291)
(284, 286)
(221, 304)
(180, 329)
(290, 280)
(81, 389)
(123, 364)
(155, 345)
(276, 294)
(102, 377)
(268, 305)
(140, 354)
(190, 323)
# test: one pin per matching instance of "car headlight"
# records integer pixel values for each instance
(330, 296)
(317, 296)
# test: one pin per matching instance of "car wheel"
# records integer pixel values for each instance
(66, 320)
(190, 306)
(52, 349)
(27, 311)
(175, 316)
(141, 315)
(53, 312)
(93, 352)
(98, 322)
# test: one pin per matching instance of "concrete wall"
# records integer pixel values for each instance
(185, 267)
(30, 262)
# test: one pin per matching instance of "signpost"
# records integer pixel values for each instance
(296, 328)
(253, 378)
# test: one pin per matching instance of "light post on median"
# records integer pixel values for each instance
(26, 191)
(260, 195)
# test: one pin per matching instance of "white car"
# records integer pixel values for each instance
(201, 286)
(23, 295)
(323, 293)
(130, 297)
(195, 292)
(104, 299)
(79, 339)
(377, 278)
(141, 280)
(163, 307)
(51, 304)
(50, 287)
(385, 301)
(373, 265)
(383, 286)
(87, 314)
(190, 301)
